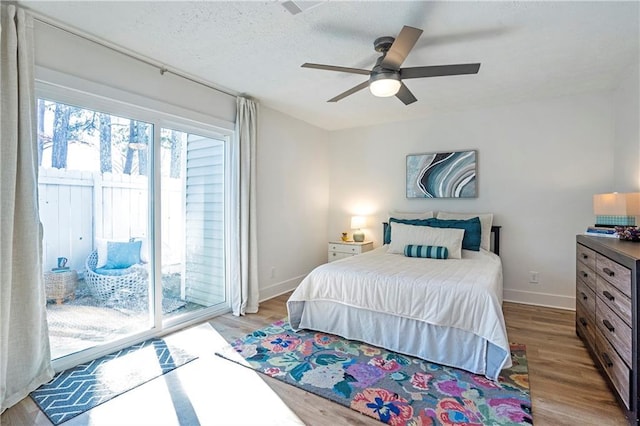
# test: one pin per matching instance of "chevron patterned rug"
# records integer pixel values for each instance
(74, 391)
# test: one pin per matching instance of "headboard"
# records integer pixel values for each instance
(495, 232)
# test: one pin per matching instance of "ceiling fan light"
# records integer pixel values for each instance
(385, 87)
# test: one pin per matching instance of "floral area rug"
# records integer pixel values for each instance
(393, 388)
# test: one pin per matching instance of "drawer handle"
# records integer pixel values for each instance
(608, 272)
(607, 359)
(584, 256)
(583, 321)
(607, 324)
(584, 296)
(584, 274)
(608, 296)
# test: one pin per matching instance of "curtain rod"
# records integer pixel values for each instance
(118, 49)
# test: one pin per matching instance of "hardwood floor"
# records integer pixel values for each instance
(566, 389)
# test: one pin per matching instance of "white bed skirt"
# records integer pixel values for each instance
(442, 345)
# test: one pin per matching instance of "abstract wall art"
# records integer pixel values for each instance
(442, 175)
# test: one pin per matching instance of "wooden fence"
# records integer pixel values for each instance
(77, 207)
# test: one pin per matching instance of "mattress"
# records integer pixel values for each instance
(444, 311)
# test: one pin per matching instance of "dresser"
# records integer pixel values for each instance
(341, 249)
(607, 280)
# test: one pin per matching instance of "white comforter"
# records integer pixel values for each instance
(461, 293)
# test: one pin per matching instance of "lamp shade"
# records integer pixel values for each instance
(617, 204)
(358, 222)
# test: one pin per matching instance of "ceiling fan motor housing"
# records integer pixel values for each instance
(383, 44)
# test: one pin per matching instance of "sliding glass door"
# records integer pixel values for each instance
(134, 215)
(193, 227)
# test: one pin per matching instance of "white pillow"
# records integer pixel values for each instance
(101, 247)
(410, 215)
(486, 220)
(403, 235)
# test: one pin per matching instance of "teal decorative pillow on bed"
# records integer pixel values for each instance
(432, 252)
(472, 229)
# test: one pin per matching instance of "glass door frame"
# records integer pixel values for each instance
(58, 87)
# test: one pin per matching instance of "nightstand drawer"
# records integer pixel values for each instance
(345, 248)
(334, 255)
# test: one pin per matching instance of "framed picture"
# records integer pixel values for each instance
(442, 175)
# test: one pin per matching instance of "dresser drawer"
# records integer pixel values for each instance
(618, 302)
(614, 329)
(615, 273)
(586, 256)
(585, 325)
(586, 274)
(614, 367)
(586, 296)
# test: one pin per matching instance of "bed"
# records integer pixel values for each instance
(444, 311)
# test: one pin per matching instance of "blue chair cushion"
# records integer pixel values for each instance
(122, 255)
(112, 272)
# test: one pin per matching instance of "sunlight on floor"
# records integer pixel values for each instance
(209, 390)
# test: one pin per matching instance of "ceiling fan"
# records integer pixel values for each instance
(385, 79)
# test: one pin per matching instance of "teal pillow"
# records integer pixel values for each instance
(122, 255)
(112, 272)
(432, 252)
(472, 229)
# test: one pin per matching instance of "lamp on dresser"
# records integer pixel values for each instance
(616, 208)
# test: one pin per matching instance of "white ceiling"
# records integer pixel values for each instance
(527, 49)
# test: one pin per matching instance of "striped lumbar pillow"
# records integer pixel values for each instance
(433, 252)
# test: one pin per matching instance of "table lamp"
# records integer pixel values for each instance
(358, 222)
(616, 209)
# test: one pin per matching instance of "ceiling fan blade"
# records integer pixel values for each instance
(350, 91)
(439, 70)
(405, 95)
(401, 47)
(335, 68)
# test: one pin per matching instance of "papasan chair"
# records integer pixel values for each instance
(116, 280)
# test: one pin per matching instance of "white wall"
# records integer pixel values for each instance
(626, 101)
(293, 200)
(539, 164)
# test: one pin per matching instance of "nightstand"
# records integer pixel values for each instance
(342, 249)
(59, 285)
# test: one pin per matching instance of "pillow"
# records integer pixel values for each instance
(122, 255)
(403, 216)
(432, 252)
(486, 220)
(410, 215)
(404, 235)
(472, 228)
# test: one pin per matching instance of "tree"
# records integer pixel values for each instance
(105, 142)
(176, 154)
(128, 162)
(41, 110)
(60, 136)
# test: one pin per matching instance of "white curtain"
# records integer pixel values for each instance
(25, 359)
(244, 283)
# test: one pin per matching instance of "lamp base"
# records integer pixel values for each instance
(358, 237)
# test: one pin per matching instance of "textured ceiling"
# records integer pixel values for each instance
(527, 49)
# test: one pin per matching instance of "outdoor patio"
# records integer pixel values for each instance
(82, 321)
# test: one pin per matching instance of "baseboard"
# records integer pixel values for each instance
(539, 299)
(280, 288)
